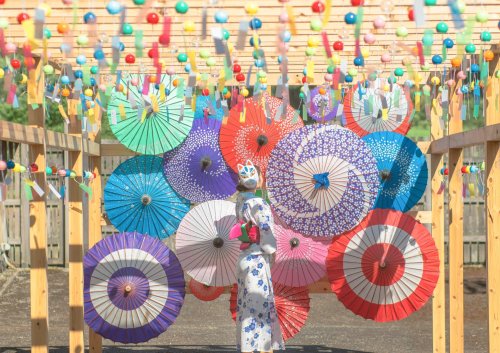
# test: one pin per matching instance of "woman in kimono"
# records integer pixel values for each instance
(257, 323)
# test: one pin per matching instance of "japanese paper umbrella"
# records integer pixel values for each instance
(133, 287)
(138, 198)
(322, 106)
(322, 180)
(292, 307)
(208, 109)
(384, 269)
(196, 169)
(203, 246)
(300, 260)
(145, 119)
(204, 292)
(402, 167)
(255, 137)
(377, 110)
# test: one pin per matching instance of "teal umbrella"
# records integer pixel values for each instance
(149, 118)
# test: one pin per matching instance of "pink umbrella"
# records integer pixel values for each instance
(300, 260)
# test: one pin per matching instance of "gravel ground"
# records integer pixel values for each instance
(207, 327)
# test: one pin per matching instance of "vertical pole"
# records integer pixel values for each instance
(75, 220)
(493, 212)
(456, 235)
(437, 208)
(95, 231)
(39, 291)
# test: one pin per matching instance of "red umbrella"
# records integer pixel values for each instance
(384, 269)
(255, 137)
(292, 306)
(204, 292)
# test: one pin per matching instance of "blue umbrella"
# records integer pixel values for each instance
(206, 108)
(138, 198)
(402, 170)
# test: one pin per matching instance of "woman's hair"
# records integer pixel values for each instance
(242, 188)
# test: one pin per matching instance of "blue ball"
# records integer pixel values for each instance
(280, 59)
(65, 48)
(255, 23)
(65, 80)
(92, 81)
(221, 17)
(89, 17)
(259, 63)
(437, 59)
(78, 73)
(122, 46)
(474, 68)
(98, 54)
(464, 89)
(252, 42)
(350, 18)
(285, 36)
(157, 86)
(50, 87)
(448, 43)
(167, 91)
(359, 61)
(187, 68)
(304, 72)
(81, 59)
(348, 78)
(114, 7)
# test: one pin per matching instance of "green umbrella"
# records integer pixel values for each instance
(150, 119)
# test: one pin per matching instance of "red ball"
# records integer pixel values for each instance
(236, 68)
(153, 18)
(22, 17)
(205, 92)
(130, 59)
(446, 171)
(240, 77)
(411, 15)
(464, 169)
(357, 2)
(164, 40)
(33, 167)
(2, 2)
(16, 64)
(152, 52)
(318, 7)
(304, 79)
(338, 46)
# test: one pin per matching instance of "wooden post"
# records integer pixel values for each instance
(456, 235)
(75, 220)
(492, 202)
(95, 231)
(39, 291)
(437, 207)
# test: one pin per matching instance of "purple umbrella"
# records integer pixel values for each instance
(322, 180)
(196, 169)
(323, 107)
(133, 287)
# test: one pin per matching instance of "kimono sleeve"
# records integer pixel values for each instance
(260, 214)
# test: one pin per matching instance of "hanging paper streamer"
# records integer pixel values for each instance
(54, 191)
(242, 35)
(39, 23)
(445, 102)
(428, 41)
(27, 189)
(139, 45)
(192, 59)
(86, 189)
(291, 19)
(2, 42)
(465, 37)
(357, 30)
(310, 71)
(326, 44)
(441, 187)
(455, 14)
(180, 88)
(463, 112)
(167, 23)
(420, 53)
(217, 37)
(418, 13)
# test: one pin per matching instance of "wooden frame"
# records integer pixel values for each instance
(80, 148)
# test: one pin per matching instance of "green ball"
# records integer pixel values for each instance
(225, 90)
(461, 6)
(256, 54)
(399, 72)
(181, 7)
(470, 48)
(47, 34)
(402, 32)
(261, 73)
(48, 170)
(127, 29)
(316, 25)
(139, 2)
(94, 70)
(48, 69)
(425, 68)
(485, 36)
(392, 79)
(310, 51)
(211, 62)
(330, 69)
(4, 23)
(442, 27)
(225, 34)
(372, 76)
(353, 72)
(427, 40)
(497, 74)
(82, 40)
(182, 58)
(302, 95)
(204, 53)
(482, 17)
(72, 174)
(430, 2)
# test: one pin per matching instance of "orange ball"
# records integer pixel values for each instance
(119, 87)
(488, 55)
(29, 61)
(456, 62)
(414, 51)
(227, 95)
(322, 91)
(175, 82)
(152, 79)
(62, 28)
(65, 92)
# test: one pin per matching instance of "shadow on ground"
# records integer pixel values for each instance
(188, 349)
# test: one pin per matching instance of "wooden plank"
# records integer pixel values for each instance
(466, 139)
(35, 135)
(75, 220)
(39, 290)
(437, 221)
(493, 214)
(456, 214)
(24, 209)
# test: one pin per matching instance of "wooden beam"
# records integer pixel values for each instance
(36, 135)
(493, 214)
(114, 148)
(456, 215)
(437, 221)
(466, 139)
(39, 290)
(75, 216)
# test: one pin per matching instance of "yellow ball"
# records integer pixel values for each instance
(263, 80)
(198, 76)
(88, 92)
(46, 8)
(418, 78)
(230, 47)
(365, 52)
(387, 87)
(2, 73)
(435, 80)
(251, 8)
(188, 26)
(312, 42)
(17, 168)
(244, 92)
(24, 79)
(336, 59)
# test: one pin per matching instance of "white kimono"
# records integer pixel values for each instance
(257, 320)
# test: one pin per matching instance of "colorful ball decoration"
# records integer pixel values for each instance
(153, 18)
(369, 38)
(114, 7)
(442, 27)
(485, 36)
(16, 64)
(350, 18)
(488, 55)
(251, 8)
(402, 32)
(221, 16)
(437, 59)
(81, 59)
(255, 23)
(94, 70)
(482, 17)
(181, 7)
(399, 72)
(430, 2)
(448, 43)
(127, 29)
(182, 57)
(379, 22)
(89, 18)
(48, 69)
(318, 7)
(385, 58)
(23, 16)
(470, 48)
(47, 34)
(4, 23)
(338, 45)
(130, 59)
(139, 2)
